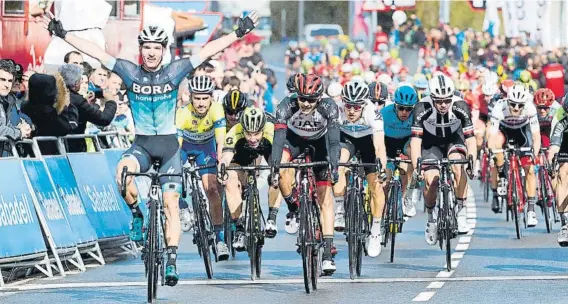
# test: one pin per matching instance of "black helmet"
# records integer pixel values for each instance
(290, 84)
(234, 102)
(378, 92)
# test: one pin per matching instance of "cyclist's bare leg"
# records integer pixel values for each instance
(530, 188)
(377, 195)
(211, 188)
(460, 178)
(479, 134)
(496, 143)
(325, 199)
(287, 176)
(339, 187)
(233, 192)
(131, 190)
(173, 224)
(562, 189)
(274, 197)
(431, 179)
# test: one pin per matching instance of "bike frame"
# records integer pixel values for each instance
(394, 219)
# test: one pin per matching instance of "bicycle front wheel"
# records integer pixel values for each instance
(515, 208)
(395, 219)
(202, 234)
(448, 227)
(544, 203)
(305, 238)
(352, 232)
(152, 253)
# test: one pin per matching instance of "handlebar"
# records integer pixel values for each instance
(448, 162)
(223, 171)
(305, 165)
(198, 168)
(151, 175)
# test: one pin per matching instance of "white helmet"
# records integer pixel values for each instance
(441, 87)
(518, 94)
(354, 55)
(152, 33)
(369, 76)
(334, 89)
(489, 89)
(355, 92)
(385, 78)
(346, 68)
(201, 84)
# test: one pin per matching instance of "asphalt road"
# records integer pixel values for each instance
(490, 266)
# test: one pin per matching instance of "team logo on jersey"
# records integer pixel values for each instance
(152, 89)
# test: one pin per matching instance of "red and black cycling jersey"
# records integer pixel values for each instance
(323, 121)
(427, 119)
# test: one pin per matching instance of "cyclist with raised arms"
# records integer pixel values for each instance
(308, 120)
(515, 118)
(559, 144)
(152, 90)
(398, 120)
(201, 130)
(246, 141)
(362, 131)
(442, 128)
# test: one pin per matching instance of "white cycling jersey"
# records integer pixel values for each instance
(369, 123)
(501, 116)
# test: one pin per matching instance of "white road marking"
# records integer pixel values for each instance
(435, 285)
(457, 255)
(424, 296)
(462, 247)
(465, 239)
(439, 278)
(444, 274)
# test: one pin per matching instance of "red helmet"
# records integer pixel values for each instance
(543, 97)
(505, 86)
(308, 86)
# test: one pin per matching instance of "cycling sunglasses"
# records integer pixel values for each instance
(442, 101)
(543, 108)
(353, 107)
(308, 100)
(516, 105)
(404, 108)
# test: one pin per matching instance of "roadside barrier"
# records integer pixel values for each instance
(60, 208)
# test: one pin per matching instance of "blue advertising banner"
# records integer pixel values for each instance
(113, 157)
(98, 192)
(66, 186)
(20, 233)
(211, 21)
(49, 204)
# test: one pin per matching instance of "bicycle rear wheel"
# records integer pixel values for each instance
(152, 253)
(317, 248)
(228, 229)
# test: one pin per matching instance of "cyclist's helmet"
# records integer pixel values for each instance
(420, 81)
(202, 84)
(234, 102)
(518, 94)
(153, 33)
(252, 119)
(378, 92)
(505, 86)
(565, 102)
(334, 89)
(525, 76)
(355, 92)
(543, 97)
(489, 89)
(406, 96)
(290, 84)
(441, 87)
(308, 86)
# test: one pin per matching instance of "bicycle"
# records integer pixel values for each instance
(515, 195)
(254, 219)
(485, 173)
(357, 226)
(203, 232)
(310, 241)
(393, 217)
(557, 161)
(546, 198)
(228, 228)
(446, 221)
(154, 237)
